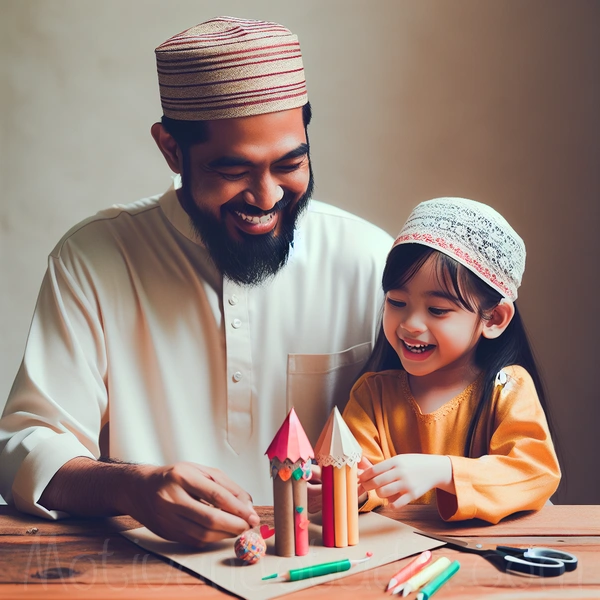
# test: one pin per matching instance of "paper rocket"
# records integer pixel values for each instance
(290, 455)
(338, 454)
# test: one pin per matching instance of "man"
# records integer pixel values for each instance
(178, 331)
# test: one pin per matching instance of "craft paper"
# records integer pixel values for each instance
(300, 495)
(340, 507)
(327, 506)
(389, 540)
(352, 498)
(336, 445)
(290, 442)
(283, 513)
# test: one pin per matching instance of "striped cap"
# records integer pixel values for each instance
(229, 67)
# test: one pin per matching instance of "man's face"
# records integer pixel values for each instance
(244, 189)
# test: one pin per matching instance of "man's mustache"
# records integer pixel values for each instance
(249, 209)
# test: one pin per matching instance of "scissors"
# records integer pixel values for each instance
(544, 562)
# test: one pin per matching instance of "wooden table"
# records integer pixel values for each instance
(83, 558)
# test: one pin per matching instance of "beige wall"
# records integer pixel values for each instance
(494, 100)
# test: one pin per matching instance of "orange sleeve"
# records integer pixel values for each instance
(520, 471)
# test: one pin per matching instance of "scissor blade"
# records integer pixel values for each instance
(442, 538)
(460, 544)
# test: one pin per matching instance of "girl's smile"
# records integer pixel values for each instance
(416, 350)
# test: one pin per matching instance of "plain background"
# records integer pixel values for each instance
(498, 101)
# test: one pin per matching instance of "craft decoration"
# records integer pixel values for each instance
(338, 453)
(266, 532)
(250, 547)
(290, 454)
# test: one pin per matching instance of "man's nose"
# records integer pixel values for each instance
(264, 193)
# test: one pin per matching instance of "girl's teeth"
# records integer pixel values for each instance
(417, 349)
(255, 220)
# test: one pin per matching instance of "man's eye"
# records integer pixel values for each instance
(289, 168)
(438, 312)
(396, 303)
(232, 176)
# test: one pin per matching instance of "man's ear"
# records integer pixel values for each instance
(168, 146)
(501, 316)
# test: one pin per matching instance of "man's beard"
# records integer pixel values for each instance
(255, 258)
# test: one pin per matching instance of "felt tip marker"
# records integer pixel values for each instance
(412, 568)
(317, 570)
(435, 584)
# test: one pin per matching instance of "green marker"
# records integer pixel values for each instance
(317, 570)
(435, 584)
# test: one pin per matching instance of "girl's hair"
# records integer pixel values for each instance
(474, 295)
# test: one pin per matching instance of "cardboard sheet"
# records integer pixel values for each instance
(389, 540)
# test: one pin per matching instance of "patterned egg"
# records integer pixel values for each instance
(249, 547)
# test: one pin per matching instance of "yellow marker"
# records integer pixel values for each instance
(421, 578)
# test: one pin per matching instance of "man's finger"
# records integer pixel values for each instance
(212, 519)
(210, 490)
(316, 474)
(219, 477)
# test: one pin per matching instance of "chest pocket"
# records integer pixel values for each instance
(318, 382)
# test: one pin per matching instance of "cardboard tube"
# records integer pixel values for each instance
(340, 507)
(300, 496)
(283, 509)
(352, 495)
(327, 506)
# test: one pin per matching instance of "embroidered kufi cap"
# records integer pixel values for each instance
(472, 233)
(229, 67)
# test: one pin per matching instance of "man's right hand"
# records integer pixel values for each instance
(190, 503)
(184, 502)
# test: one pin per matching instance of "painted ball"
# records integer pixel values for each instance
(250, 547)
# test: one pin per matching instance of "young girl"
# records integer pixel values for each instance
(450, 407)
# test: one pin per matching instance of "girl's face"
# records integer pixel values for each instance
(429, 331)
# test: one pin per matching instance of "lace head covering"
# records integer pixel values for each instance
(473, 234)
(229, 67)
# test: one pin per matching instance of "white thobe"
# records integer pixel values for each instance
(134, 327)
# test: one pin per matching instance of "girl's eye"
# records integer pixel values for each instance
(396, 303)
(439, 312)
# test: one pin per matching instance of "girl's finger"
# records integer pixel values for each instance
(401, 501)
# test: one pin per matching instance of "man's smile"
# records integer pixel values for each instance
(255, 224)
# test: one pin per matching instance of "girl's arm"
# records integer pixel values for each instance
(520, 470)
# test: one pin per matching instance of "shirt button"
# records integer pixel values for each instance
(233, 300)
(237, 376)
(236, 323)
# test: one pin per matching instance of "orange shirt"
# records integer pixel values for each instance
(517, 468)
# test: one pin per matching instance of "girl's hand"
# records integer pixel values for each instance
(406, 477)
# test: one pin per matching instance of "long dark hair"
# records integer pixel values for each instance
(472, 294)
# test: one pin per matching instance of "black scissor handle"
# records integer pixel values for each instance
(542, 566)
(535, 565)
(569, 559)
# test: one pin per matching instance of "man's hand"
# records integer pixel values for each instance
(184, 502)
(190, 503)
(406, 477)
(314, 489)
